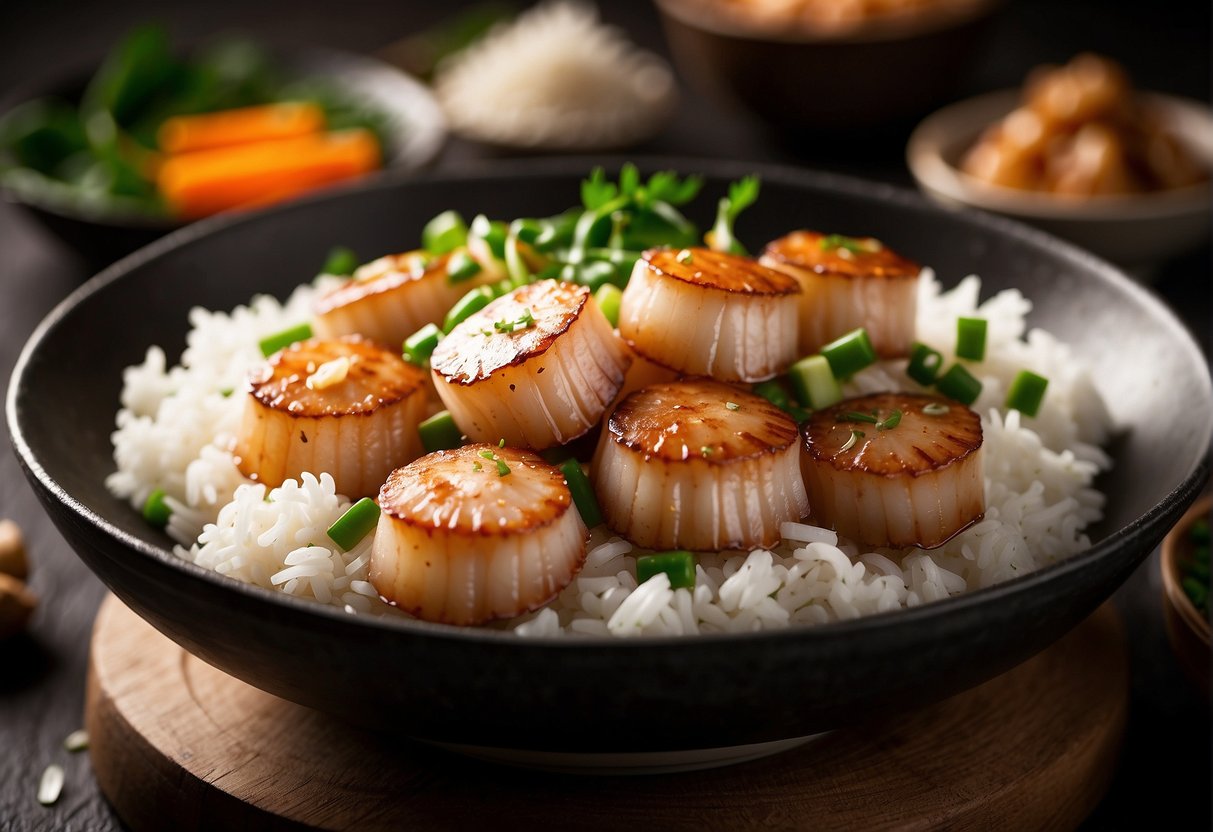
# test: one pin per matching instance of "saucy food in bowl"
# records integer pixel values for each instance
(490, 686)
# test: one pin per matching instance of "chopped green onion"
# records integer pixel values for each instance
(440, 433)
(227, 392)
(935, 409)
(340, 261)
(595, 274)
(477, 467)
(814, 383)
(679, 566)
(1026, 393)
(355, 524)
(283, 339)
(515, 264)
(462, 266)
(685, 257)
(857, 416)
(156, 510)
(851, 244)
(445, 232)
(419, 346)
(850, 353)
(609, 298)
(856, 435)
(890, 422)
(774, 393)
(501, 442)
(742, 194)
(468, 305)
(732, 405)
(971, 338)
(958, 383)
(583, 493)
(502, 468)
(493, 232)
(925, 364)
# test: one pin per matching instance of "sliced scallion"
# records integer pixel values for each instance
(889, 422)
(856, 435)
(583, 493)
(281, 340)
(925, 364)
(1027, 392)
(468, 305)
(959, 384)
(419, 346)
(349, 529)
(492, 232)
(609, 297)
(445, 232)
(814, 383)
(340, 261)
(678, 565)
(850, 353)
(935, 409)
(971, 338)
(440, 433)
(774, 393)
(462, 266)
(156, 510)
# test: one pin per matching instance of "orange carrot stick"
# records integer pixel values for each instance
(207, 181)
(184, 134)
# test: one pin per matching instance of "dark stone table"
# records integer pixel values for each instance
(1165, 45)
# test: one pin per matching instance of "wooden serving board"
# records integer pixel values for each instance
(177, 744)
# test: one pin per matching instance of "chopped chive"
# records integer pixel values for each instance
(476, 466)
(502, 468)
(419, 346)
(774, 393)
(492, 232)
(227, 392)
(935, 409)
(679, 566)
(76, 741)
(349, 529)
(280, 340)
(1026, 393)
(440, 433)
(971, 338)
(156, 510)
(856, 435)
(925, 364)
(462, 266)
(609, 298)
(891, 421)
(959, 384)
(814, 383)
(856, 416)
(851, 244)
(468, 305)
(445, 232)
(732, 405)
(583, 492)
(340, 261)
(501, 443)
(51, 785)
(486, 454)
(685, 257)
(850, 353)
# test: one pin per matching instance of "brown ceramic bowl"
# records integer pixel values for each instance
(1187, 628)
(804, 79)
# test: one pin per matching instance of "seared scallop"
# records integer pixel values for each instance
(699, 465)
(709, 313)
(537, 367)
(346, 406)
(389, 299)
(895, 469)
(475, 533)
(849, 283)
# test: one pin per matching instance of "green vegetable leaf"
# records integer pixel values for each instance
(742, 194)
(597, 191)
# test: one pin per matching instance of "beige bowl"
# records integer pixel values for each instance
(1134, 231)
(1187, 629)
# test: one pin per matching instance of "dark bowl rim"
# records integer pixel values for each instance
(47, 85)
(1146, 526)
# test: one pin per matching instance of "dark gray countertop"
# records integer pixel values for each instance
(1167, 751)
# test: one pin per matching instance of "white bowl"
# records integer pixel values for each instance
(1135, 231)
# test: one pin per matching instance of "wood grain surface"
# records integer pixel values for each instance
(177, 744)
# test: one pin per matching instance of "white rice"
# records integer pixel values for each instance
(175, 426)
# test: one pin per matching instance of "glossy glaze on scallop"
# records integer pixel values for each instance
(475, 533)
(895, 469)
(708, 313)
(849, 283)
(699, 465)
(537, 367)
(346, 406)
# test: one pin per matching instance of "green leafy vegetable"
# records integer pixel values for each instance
(742, 194)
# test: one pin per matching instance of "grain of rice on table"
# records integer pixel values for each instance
(176, 424)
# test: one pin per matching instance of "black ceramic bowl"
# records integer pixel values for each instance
(487, 688)
(416, 130)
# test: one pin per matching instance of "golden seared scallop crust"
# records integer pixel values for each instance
(346, 406)
(537, 367)
(914, 482)
(475, 533)
(849, 283)
(707, 313)
(699, 465)
(389, 299)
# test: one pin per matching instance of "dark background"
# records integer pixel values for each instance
(1165, 766)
